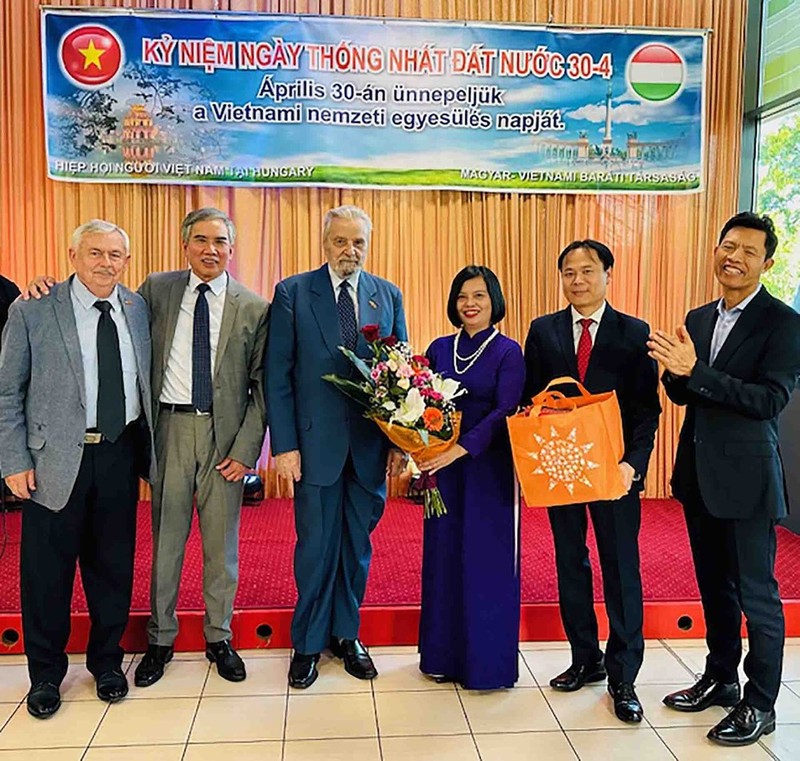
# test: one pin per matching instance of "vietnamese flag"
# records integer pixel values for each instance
(91, 56)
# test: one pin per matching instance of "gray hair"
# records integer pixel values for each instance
(99, 226)
(346, 212)
(201, 215)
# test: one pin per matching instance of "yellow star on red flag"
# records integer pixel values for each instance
(91, 56)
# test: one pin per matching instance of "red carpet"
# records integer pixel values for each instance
(267, 539)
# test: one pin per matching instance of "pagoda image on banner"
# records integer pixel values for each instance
(139, 135)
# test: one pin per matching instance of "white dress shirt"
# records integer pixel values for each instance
(336, 281)
(577, 328)
(86, 320)
(177, 387)
(726, 319)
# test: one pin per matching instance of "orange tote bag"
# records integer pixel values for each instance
(567, 449)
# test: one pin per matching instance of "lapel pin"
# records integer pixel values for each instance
(373, 304)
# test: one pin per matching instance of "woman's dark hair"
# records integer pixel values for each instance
(492, 287)
(753, 222)
(603, 252)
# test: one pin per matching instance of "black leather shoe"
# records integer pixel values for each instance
(706, 692)
(744, 725)
(43, 700)
(303, 670)
(112, 686)
(576, 676)
(356, 658)
(229, 665)
(151, 667)
(626, 703)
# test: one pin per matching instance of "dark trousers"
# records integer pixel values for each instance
(331, 557)
(734, 561)
(97, 528)
(616, 527)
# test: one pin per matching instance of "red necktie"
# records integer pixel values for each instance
(584, 348)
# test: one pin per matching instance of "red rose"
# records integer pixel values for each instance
(420, 360)
(371, 333)
(389, 340)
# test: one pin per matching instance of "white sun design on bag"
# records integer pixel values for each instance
(563, 460)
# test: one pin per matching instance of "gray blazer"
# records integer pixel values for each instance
(239, 411)
(42, 390)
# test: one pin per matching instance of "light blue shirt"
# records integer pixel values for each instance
(86, 320)
(726, 319)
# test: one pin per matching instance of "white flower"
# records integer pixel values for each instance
(411, 409)
(404, 383)
(447, 387)
(389, 405)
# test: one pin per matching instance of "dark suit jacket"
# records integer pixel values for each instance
(728, 447)
(8, 292)
(306, 412)
(618, 362)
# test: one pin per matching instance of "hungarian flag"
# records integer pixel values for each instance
(655, 72)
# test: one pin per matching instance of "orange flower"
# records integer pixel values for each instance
(433, 419)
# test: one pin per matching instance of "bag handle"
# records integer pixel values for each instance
(542, 400)
(564, 380)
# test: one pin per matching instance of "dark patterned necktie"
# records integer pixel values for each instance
(110, 388)
(347, 317)
(584, 348)
(202, 394)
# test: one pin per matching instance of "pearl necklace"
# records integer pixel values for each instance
(472, 358)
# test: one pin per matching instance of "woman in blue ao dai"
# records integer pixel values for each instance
(469, 628)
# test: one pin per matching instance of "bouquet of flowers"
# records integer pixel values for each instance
(410, 403)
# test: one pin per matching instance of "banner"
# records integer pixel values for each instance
(232, 99)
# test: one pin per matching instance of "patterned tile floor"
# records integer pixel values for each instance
(193, 715)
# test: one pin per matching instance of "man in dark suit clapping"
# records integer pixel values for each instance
(734, 365)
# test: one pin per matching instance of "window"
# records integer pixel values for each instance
(778, 194)
(771, 166)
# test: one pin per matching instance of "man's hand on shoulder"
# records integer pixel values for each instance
(22, 484)
(38, 287)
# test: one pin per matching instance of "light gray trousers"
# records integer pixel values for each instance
(187, 455)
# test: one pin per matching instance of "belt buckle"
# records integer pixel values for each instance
(92, 437)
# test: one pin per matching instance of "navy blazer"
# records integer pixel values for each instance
(306, 412)
(728, 446)
(618, 362)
